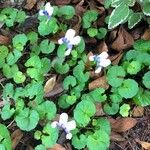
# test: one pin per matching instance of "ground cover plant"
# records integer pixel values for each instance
(73, 75)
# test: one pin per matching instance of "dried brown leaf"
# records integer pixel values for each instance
(116, 137)
(102, 47)
(100, 82)
(145, 145)
(50, 84)
(30, 4)
(57, 147)
(123, 41)
(4, 39)
(62, 2)
(99, 110)
(146, 35)
(16, 137)
(123, 124)
(138, 111)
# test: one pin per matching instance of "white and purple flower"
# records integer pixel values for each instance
(65, 125)
(69, 39)
(48, 11)
(101, 61)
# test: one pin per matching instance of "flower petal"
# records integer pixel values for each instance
(105, 62)
(71, 125)
(91, 58)
(70, 34)
(60, 41)
(68, 136)
(103, 55)
(76, 40)
(63, 118)
(41, 13)
(68, 51)
(98, 69)
(54, 124)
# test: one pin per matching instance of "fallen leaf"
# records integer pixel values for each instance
(116, 137)
(4, 39)
(123, 41)
(57, 147)
(56, 91)
(138, 111)
(50, 84)
(62, 2)
(100, 82)
(123, 124)
(30, 4)
(16, 137)
(102, 47)
(145, 145)
(99, 110)
(116, 58)
(146, 35)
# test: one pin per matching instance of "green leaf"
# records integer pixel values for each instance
(13, 57)
(69, 81)
(134, 19)
(146, 8)
(124, 110)
(3, 52)
(34, 61)
(7, 112)
(111, 109)
(83, 111)
(71, 99)
(47, 47)
(60, 66)
(134, 67)
(98, 141)
(50, 136)
(46, 65)
(44, 110)
(128, 89)
(21, 16)
(40, 147)
(92, 32)
(115, 76)
(78, 72)
(98, 95)
(5, 138)
(27, 119)
(118, 16)
(115, 98)
(32, 37)
(89, 17)
(61, 50)
(62, 101)
(142, 98)
(45, 28)
(102, 124)
(19, 41)
(146, 80)
(66, 12)
(19, 77)
(79, 142)
(8, 91)
(142, 45)
(101, 33)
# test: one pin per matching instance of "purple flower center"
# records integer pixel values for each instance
(46, 14)
(67, 42)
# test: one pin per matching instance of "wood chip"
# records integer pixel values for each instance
(146, 35)
(4, 40)
(138, 111)
(99, 110)
(57, 147)
(116, 137)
